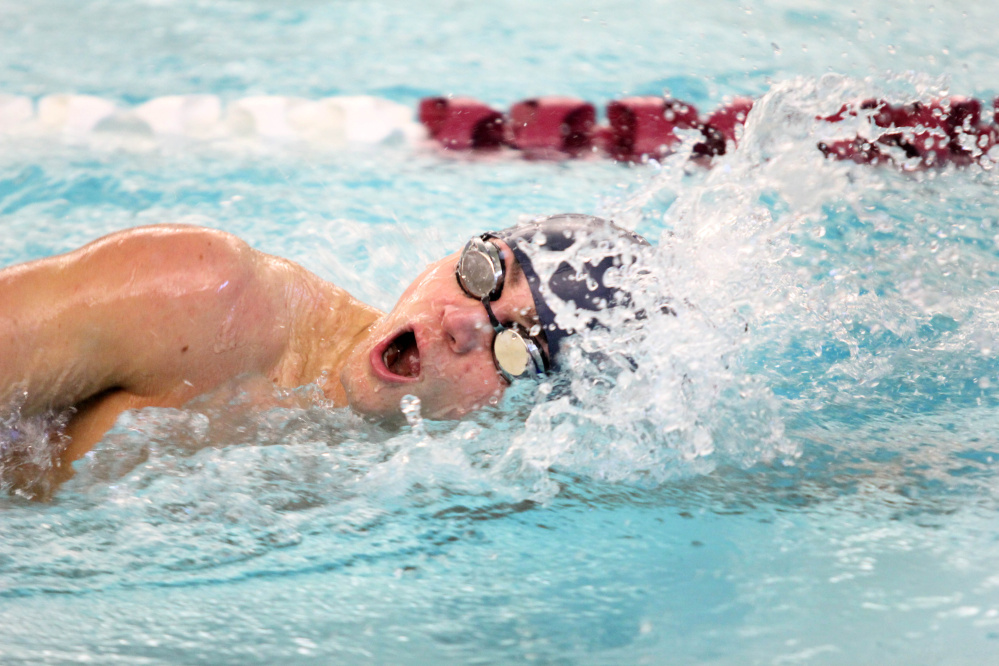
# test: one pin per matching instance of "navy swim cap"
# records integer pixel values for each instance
(586, 290)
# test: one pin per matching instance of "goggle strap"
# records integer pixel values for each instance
(497, 327)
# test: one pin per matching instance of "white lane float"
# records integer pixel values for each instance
(328, 122)
(15, 112)
(182, 115)
(73, 114)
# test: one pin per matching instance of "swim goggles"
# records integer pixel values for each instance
(480, 272)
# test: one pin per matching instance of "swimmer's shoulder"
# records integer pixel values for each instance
(172, 263)
(131, 256)
(188, 249)
(141, 310)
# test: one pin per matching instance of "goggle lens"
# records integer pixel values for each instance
(477, 273)
(512, 353)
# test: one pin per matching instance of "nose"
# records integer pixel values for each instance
(467, 327)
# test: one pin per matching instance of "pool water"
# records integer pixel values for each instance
(798, 467)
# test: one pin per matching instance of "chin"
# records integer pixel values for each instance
(367, 401)
(362, 395)
(451, 411)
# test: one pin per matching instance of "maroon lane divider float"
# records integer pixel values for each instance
(462, 123)
(552, 126)
(644, 126)
(945, 131)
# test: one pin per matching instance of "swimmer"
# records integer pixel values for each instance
(155, 316)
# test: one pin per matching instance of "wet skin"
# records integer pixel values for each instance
(156, 316)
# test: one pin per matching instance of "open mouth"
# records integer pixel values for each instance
(402, 356)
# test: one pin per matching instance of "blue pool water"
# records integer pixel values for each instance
(799, 468)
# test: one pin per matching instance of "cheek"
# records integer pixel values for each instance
(477, 387)
(473, 373)
(361, 389)
(457, 404)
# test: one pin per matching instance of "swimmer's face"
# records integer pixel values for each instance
(436, 344)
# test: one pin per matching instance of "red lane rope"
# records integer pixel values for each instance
(945, 131)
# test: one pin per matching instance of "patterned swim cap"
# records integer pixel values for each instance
(586, 289)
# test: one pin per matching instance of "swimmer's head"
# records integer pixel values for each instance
(456, 344)
(575, 280)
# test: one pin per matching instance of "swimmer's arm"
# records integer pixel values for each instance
(164, 312)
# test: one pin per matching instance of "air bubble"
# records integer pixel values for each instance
(410, 406)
